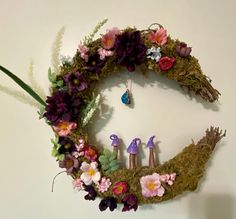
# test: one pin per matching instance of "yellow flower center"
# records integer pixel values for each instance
(91, 172)
(63, 126)
(151, 185)
(76, 81)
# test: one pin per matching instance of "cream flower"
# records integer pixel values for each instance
(90, 173)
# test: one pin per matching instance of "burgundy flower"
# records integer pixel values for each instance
(75, 82)
(108, 202)
(67, 145)
(70, 163)
(94, 63)
(92, 194)
(130, 202)
(62, 107)
(183, 50)
(129, 49)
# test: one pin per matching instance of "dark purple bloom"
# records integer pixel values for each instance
(67, 145)
(183, 50)
(94, 63)
(70, 163)
(75, 82)
(108, 202)
(92, 194)
(130, 50)
(62, 107)
(130, 202)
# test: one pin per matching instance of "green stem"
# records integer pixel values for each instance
(23, 85)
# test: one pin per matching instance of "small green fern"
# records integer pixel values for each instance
(56, 147)
(108, 161)
(56, 83)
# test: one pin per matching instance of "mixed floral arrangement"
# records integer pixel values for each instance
(73, 101)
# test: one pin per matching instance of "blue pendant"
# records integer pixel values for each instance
(125, 98)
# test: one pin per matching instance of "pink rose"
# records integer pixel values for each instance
(165, 63)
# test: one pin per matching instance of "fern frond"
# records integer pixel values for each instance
(33, 82)
(89, 111)
(56, 47)
(20, 96)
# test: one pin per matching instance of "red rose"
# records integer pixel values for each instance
(165, 63)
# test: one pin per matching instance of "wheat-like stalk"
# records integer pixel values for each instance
(34, 83)
(88, 39)
(20, 96)
(56, 47)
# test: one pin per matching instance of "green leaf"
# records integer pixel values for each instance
(60, 83)
(52, 76)
(23, 85)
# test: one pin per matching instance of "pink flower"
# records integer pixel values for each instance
(64, 128)
(151, 185)
(159, 37)
(120, 188)
(83, 50)
(108, 39)
(104, 185)
(168, 178)
(78, 184)
(103, 53)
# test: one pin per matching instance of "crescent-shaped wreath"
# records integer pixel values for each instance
(73, 101)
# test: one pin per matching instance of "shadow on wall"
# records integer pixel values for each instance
(212, 206)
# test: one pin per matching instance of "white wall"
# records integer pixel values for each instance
(27, 30)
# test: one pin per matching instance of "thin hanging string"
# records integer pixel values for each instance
(54, 178)
(129, 85)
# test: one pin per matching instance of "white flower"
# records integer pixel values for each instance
(154, 53)
(90, 173)
(66, 60)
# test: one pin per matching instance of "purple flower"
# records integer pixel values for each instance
(75, 82)
(94, 63)
(129, 49)
(108, 202)
(92, 194)
(62, 107)
(67, 145)
(130, 202)
(183, 50)
(70, 163)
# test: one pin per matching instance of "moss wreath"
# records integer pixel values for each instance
(73, 102)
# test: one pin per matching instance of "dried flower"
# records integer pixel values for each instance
(168, 178)
(103, 53)
(92, 194)
(75, 82)
(129, 49)
(64, 128)
(183, 50)
(90, 173)
(108, 202)
(108, 39)
(154, 53)
(159, 36)
(166, 63)
(130, 202)
(62, 107)
(120, 188)
(151, 185)
(83, 51)
(66, 60)
(104, 184)
(70, 163)
(78, 184)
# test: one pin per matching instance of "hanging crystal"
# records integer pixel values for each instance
(125, 98)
